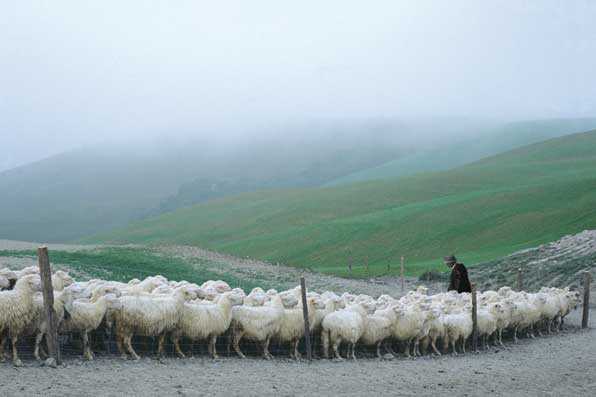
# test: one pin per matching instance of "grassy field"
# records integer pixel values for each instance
(481, 211)
(124, 264)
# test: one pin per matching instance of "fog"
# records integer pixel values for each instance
(76, 73)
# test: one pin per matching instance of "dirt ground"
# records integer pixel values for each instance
(551, 365)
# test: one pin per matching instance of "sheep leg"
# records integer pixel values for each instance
(212, 342)
(515, 335)
(325, 344)
(379, 349)
(2, 358)
(389, 348)
(416, 348)
(446, 344)
(128, 343)
(120, 345)
(297, 354)
(160, 342)
(236, 343)
(336, 348)
(87, 353)
(539, 329)
(15, 356)
(38, 339)
(353, 349)
(463, 345)
(434, 346)
(266, 353)
(176, 340)
(407, 348)
(453, 345)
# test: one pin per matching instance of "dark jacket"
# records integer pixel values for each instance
(459, 280)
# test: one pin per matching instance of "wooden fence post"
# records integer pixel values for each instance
(306, 324)
(401, 276)
(350, 266)
(48, 303)
(586, 311)
(474, 319)
(520, 279)
(389, 266)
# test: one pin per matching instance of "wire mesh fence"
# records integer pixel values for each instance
(104, 343)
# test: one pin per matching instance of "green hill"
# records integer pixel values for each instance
(481, 211)
(91, 190)
(462, 150)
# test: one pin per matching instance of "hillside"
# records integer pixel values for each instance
(93, 190)
(464, 150)
(481, 211)
(558, 263)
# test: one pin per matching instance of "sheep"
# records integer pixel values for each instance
(61, 280)
(259, 324)
(503, 316)
(87, 316)
(487, 322)
(205, 321)
(379, 327)
(409, 327)
(345, 325)
(256, 297)
(8, 279)
(4, 283)
(63, 301)
(27, 271)
(292, 324)
(219, 286)
(331, 303)
(16, 312)
(145, 286)
(524, 314)
(458, 326)
(148, 316)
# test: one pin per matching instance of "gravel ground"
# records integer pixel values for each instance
(552, 365)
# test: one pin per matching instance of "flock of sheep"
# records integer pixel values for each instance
(160, 308)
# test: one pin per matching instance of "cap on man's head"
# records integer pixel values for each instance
(450, 259)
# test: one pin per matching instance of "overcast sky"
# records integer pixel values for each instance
(74, 72)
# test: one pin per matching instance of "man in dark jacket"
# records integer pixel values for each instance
(459, 280)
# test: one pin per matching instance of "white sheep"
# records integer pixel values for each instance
(205, 321)
(409, 327)
(258, 324)
(345, 325)
(61, 280)
(379, 327)
(148, 316)
(16, 312)
(458, 327)
(292, 324)
(86, 316)
(63, 301)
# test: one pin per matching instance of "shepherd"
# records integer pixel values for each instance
(459, 280)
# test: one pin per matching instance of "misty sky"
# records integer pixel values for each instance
(76, 72)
